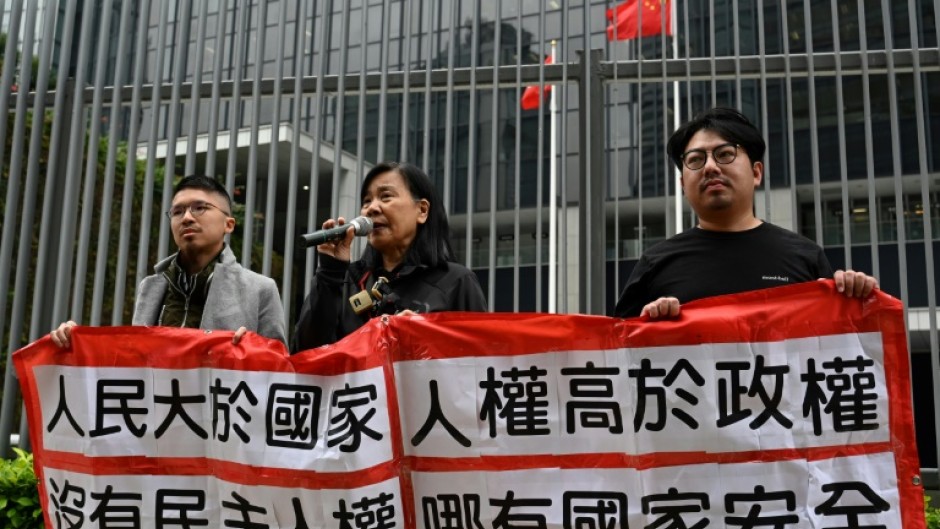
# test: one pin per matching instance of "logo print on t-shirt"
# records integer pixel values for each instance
(781, 279)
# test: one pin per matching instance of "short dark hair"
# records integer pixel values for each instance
(728, 123)
(432, 246)
(205, 183)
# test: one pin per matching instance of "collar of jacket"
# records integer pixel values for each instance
(225, 257)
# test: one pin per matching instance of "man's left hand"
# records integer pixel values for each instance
(854, 284)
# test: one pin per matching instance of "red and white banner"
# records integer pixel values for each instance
(781, 408)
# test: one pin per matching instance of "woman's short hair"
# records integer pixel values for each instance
(431, 246)
(728, 123)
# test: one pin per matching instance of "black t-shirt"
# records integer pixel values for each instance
(699, 263)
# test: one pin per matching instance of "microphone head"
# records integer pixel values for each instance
(363, 225)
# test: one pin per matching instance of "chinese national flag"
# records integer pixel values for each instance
(625, 24)
(531, 99)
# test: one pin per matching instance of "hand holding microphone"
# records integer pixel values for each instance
(335, 239)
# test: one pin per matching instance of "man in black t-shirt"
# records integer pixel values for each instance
(730, 250)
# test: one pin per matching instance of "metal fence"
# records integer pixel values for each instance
(290, 103)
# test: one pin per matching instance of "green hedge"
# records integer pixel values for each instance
(932, 514)
(19, 493)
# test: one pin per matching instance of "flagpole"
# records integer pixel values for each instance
(553, 197)
(675, 112)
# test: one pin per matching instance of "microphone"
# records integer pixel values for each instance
(362, 225)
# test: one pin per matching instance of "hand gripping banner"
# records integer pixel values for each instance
(782, 408)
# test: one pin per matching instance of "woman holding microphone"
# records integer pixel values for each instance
(407, 267)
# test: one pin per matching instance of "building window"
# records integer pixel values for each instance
(886, 225)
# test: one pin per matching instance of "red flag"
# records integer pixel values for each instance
(624, 23)
(530, 98)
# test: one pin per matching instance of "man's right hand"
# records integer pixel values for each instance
(661, 308)
(62, 336)
(339, 249)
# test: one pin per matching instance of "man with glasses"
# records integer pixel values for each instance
(730, 250)
(202, 286)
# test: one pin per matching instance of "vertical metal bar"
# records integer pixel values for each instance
(561, 201)
(638, 138)
(405, 50)
(11, 387)
(612, 92)
(9, 69)
(317, 140)
(592, 184)
(813, 131)
(27, 221)
(251, 180)
(540, 171)
(900, 221)
(736, 30)
(688, 58)
(50, 202)
(765, 126)
(494, 159)
(563, 165)
(674, 175)
(668, 174)
(840, 112)
(115, 114)
(363, 100)
(869, 142)
(449, 107)
(91, 168)
(13, 182)
(926, 206)
(517, 165)
(339, 116)
(472, 138)
(553, 195)
(287, 298)
(270, 212)
(791, 152)
(240, 38)
(383, 84)
(711, 52)
(174, 111)
(130, 169)
(896, 157)
(73, 176)
(32, 165)
(195, 98)
(540, 166)
(936, 13)
(143, 241)
(217, 70)
(427, 81)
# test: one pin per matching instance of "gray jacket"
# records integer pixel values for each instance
(237, 297)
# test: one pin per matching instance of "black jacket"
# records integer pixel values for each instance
(327, 315)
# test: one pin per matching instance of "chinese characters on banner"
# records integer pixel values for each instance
(784, 408)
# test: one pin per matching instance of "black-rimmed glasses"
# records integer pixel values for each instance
(724, 154)
(197, 209)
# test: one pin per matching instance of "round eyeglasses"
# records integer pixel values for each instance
(724, 154)
(197, 209)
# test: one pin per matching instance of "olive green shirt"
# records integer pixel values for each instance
(186, 296)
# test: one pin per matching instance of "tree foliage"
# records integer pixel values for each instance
(19, 493)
